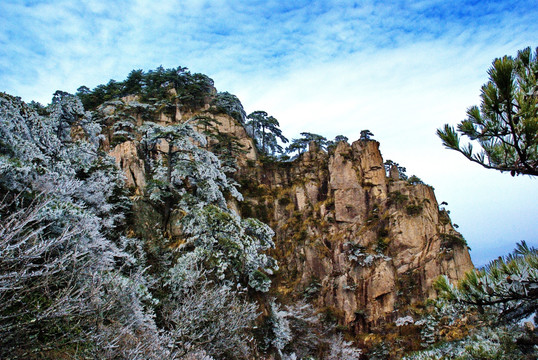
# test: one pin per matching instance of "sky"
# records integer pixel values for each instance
(400, 69)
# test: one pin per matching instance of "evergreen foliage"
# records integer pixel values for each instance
(366, 135)
(505, 126)
(229, 104)
(266, 132)
(508, 286)
(401, 170)
(154, 86)
(490, 303)
(300, 145)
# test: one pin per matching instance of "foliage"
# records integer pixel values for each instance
(414, 209)
(229, 104)
(297, 145)
(181, 172)
(266, 132)
(296, 331)
(68, 279)
(312, 289)
(506, 124)
(364, 258)
(224, 145)
(234, 247)
(188, 179)
(300, 145)
(414, 180)
(485, 343)
(366, 135)
(396, 198)
(485, 310)
(508, 285)
(451, 240)
(154, 86)
(73, 285)
(319, 140)
(342, 350)
(201, 315)
(401, 170)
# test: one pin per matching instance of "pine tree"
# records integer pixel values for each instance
(505, 126)
(266, 132)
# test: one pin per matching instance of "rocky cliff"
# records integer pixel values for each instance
(360, 244)
(352, 239)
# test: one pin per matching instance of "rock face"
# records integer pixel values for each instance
(353, 240)
(361, 245)
(127, 159)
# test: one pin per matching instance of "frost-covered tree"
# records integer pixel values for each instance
(508, 286)
(234, 247)
(188, 179)
(296, 331)
(490, 304)
(343, 350)
(229, 104)
(228, 148)
(182, 173)
(485, 343)
(201, 315)
(68, 279)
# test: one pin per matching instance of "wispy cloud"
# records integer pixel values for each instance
(399, 68)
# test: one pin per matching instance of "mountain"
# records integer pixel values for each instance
(149, 206)
(351, 237)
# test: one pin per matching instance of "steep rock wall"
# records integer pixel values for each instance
(352, 240)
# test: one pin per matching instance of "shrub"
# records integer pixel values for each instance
(414, 209)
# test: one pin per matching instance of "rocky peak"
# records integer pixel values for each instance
(355, 242)
(352, 239)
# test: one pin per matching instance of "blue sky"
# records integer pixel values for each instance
(398, 68)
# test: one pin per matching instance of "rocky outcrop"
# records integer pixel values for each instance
(361, 245)
(353, 240)
(127, 159)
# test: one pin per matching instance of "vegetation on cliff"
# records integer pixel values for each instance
(163, 250)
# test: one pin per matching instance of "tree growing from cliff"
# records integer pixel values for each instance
(401, 170)
(229, 104)
(366, 135)
(297, 145)
(182, 173)
(505, 126)
(266, 132)
(188, 179)
(301, 144)
(319, 140)
(175, 87)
